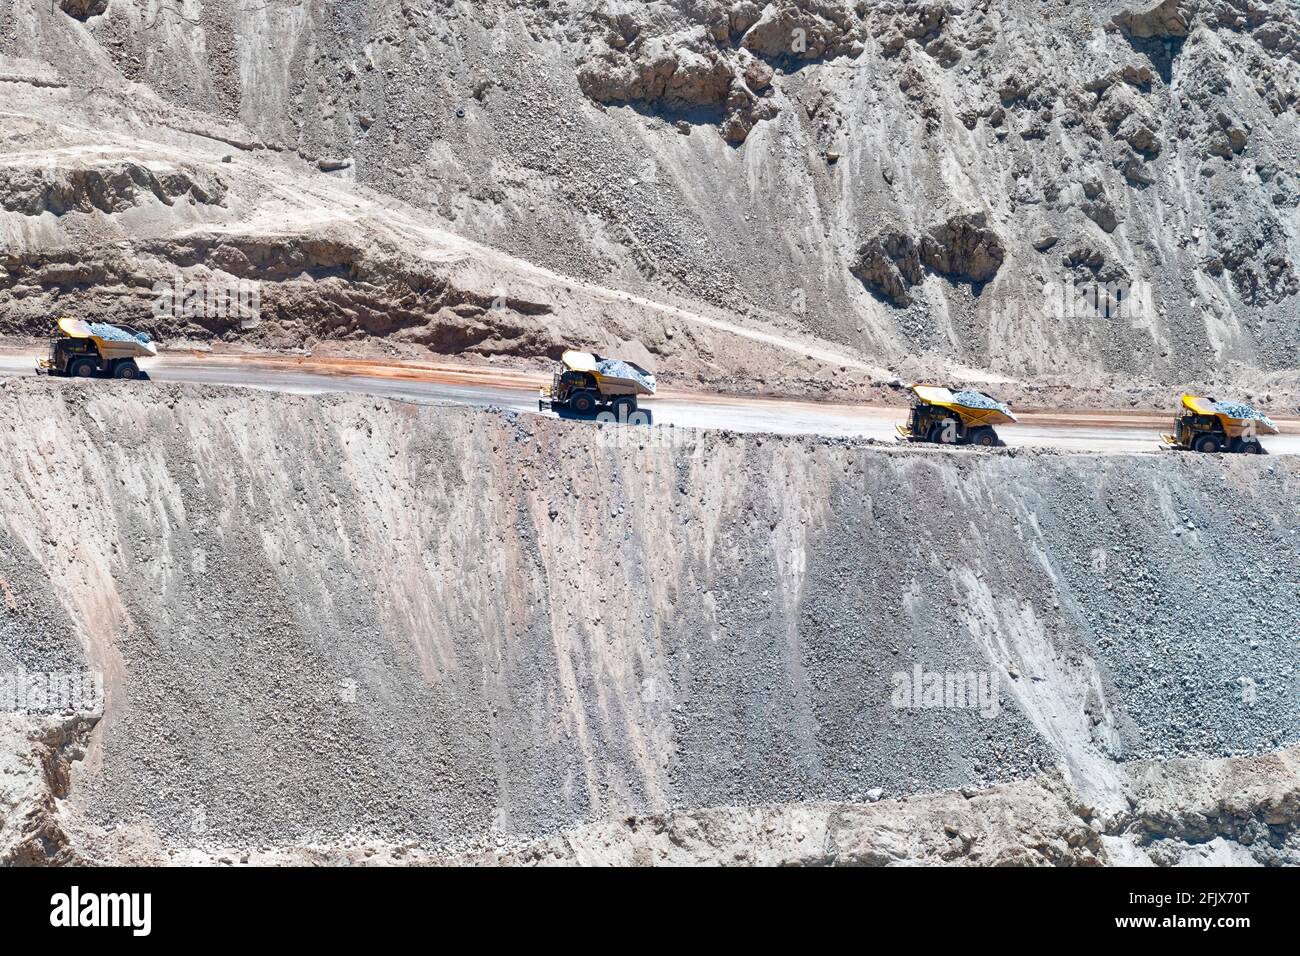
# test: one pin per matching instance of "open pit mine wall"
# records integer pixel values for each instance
(951, 180)
(319, 619)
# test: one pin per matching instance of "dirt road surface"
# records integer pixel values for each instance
(482, 386)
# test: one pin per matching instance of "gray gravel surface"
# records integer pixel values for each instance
(335, 618)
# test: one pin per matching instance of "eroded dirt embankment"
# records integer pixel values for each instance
(1232, 811)
(332, 621)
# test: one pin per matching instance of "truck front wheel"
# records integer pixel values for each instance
(945, 432)
(84, 368)
(1208, 442)
(583, 403)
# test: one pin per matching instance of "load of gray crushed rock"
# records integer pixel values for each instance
(980, 400)
(111, 333)
(616, 368)
(1242, 411)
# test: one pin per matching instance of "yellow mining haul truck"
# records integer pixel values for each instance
(1204, 424)
(95, 349)
(586, 383)
(945, 417)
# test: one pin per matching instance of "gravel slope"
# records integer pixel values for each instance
(333, 619)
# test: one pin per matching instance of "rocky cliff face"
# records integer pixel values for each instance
(799, 165)
(448, 626)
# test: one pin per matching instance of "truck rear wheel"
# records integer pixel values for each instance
(84, 368)
(984, 436)
(126, 369)
(624, 407)
(1248, 446)
(1208, 443)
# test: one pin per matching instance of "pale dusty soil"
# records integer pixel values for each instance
(342, 621)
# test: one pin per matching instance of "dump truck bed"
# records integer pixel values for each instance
(972, 407)
(113, 342)
(613, 376)
(1237, 417)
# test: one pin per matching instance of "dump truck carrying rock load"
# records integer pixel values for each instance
(1207, 425)
(95, 349)
(586, 383)
(945, 417)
